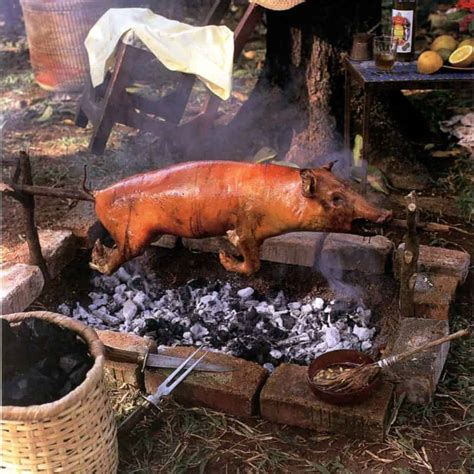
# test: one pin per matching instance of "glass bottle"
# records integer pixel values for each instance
(403, 28)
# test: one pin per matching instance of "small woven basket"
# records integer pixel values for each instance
(76, 433)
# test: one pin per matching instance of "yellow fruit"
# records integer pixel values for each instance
(444, 42)
(444, 53)
(463, 56)
(467, 41)
(429, 62)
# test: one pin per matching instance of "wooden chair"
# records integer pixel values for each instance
(110, 102)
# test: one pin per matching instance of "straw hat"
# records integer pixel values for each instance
(277, 4)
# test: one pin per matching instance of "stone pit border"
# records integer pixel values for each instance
(282, 397)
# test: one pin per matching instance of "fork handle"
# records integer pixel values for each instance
(132, 420)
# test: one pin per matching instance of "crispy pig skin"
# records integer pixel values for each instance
(247, 202)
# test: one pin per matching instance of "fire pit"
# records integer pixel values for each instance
(266, 328)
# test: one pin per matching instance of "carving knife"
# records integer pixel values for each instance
(147, 359)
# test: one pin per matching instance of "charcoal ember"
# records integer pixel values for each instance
(288, 321)
(199, 282)
(185, 294)
(39, 360)
(29, 388)
(214, 286)
(77, 376)
(151, 325)
(223, 336)
(69, 362)
(251, 316)
(123, 275)
(234, 305)
(108, 283)
(342, 307)
(276, 333)
(138, 283)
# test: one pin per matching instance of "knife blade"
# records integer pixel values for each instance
(159, 360)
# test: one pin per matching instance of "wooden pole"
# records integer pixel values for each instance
(28, 206)
(409, 259)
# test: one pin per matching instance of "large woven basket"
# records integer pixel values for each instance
(56, 30)
(74, 434)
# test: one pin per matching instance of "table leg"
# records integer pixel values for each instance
(368, 97)
(347, 110)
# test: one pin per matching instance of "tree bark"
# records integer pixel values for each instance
(297, 104)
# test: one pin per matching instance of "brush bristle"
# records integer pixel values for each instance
(350, 380)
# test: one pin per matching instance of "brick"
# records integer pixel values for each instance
(287, 399)
(58, 248)
(166, 241)
(235, 392)
(124, 372)
(20, 285)
(296, 248)
(433, 295)
(83, 223)
(210, 245)
(349, 252)
(438, 260)
(418, 377)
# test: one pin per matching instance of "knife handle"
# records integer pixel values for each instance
(122, 355)
(132, 420)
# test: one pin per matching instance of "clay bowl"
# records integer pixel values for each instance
(344, 356)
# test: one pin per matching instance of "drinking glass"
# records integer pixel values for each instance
(385, 52)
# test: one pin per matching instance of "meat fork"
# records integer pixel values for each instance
(165, 388)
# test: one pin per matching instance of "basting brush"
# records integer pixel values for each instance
(354, 379)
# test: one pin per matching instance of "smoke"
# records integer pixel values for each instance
(330, 266)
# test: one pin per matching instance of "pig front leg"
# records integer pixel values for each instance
(248, 248)
(106, 260)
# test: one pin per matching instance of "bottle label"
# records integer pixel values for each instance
(402, 30)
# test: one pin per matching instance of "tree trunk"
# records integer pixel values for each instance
(297, 105)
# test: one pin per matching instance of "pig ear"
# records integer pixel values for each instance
(308, 183)
(328, 166)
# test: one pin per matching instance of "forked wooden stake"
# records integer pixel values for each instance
(409, 259)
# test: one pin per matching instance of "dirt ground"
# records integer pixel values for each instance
(432, 438)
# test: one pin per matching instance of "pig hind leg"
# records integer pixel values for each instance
(248, 248)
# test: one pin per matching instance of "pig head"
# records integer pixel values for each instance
(247, 202)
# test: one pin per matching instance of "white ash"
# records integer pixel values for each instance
(268, 329)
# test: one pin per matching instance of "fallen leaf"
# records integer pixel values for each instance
(447, 153)
(46, 115)
(285, 163)
(249, 54)
(357, 150)
(264, 154)
(240, 96)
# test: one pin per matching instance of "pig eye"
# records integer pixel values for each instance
(338, 201)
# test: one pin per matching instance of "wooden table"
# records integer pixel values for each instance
(402, 76)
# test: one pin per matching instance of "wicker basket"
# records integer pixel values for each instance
(56, 30)
(74, 434)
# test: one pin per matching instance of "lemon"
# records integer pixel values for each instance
(444, 42)
(463, 56)
(468, 41)
(429, 62)
(444, 53)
